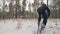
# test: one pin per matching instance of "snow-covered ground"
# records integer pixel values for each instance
(28, 26)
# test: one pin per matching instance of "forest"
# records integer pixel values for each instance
(14, 9)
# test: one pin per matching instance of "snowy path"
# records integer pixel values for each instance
(27, 26)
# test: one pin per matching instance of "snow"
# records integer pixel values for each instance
(28, 26)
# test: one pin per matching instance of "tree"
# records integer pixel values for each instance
(36, 5)
(11, 9)
(23, 8)
(3, 7)
(55, 9)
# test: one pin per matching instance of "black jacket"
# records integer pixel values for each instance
(42, 10)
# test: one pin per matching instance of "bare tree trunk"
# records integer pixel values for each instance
(36, 5)
(47, 2)
(17, 9)
(11, 14)
(3, 8)
(23, 8)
